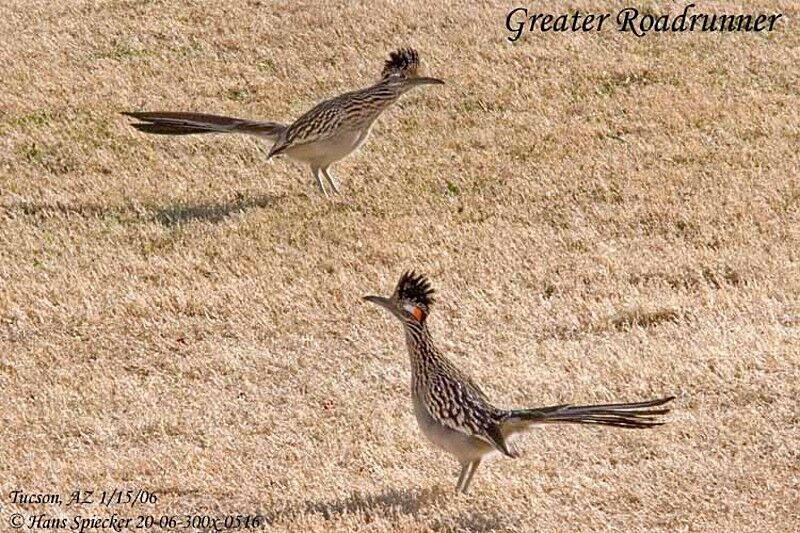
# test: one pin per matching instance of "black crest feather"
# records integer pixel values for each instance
(403, 62)
(415, 288)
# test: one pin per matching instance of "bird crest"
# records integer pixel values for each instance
(404, 62)
(415, 289)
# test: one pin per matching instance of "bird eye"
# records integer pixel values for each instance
(415, 311)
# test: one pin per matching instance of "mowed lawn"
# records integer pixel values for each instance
(604, 217)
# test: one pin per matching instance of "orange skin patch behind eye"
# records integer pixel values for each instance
(417, 313)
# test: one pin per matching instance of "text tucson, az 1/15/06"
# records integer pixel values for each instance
(631, 19)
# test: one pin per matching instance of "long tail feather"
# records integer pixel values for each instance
(181, 123)
(626, 415)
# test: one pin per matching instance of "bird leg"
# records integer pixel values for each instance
(462, 475)
(331, 180)
(468, 480)
(319, 180)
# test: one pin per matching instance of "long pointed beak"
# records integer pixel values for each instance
(424, 80)
(380, 300)
(386, 303)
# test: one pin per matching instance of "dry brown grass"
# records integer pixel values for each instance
(622, 221)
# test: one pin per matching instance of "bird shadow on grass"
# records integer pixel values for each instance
(211, 211)
(49, 209)
(391, 503)
(169, 216)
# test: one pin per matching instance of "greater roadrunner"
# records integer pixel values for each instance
(453, 412)
(330, 131)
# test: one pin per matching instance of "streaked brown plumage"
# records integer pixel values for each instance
(455, 414)
(327, 133)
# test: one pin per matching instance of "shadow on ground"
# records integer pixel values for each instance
(170, 216)
(44, 210)
(211, 211)
(390, 503)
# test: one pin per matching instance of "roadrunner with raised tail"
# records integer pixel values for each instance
(453, 412)
(330, 131)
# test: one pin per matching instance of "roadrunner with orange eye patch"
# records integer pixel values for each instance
(329, 132)
(453, 412)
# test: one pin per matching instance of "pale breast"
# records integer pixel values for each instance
(465, 447)
(324, 152)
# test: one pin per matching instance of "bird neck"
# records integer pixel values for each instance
(422, 352)
(364, 106)
(386, 91)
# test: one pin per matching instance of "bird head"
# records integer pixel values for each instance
(402, 68)
(411, 301)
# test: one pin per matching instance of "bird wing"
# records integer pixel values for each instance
(320, 122)
(459, 404)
